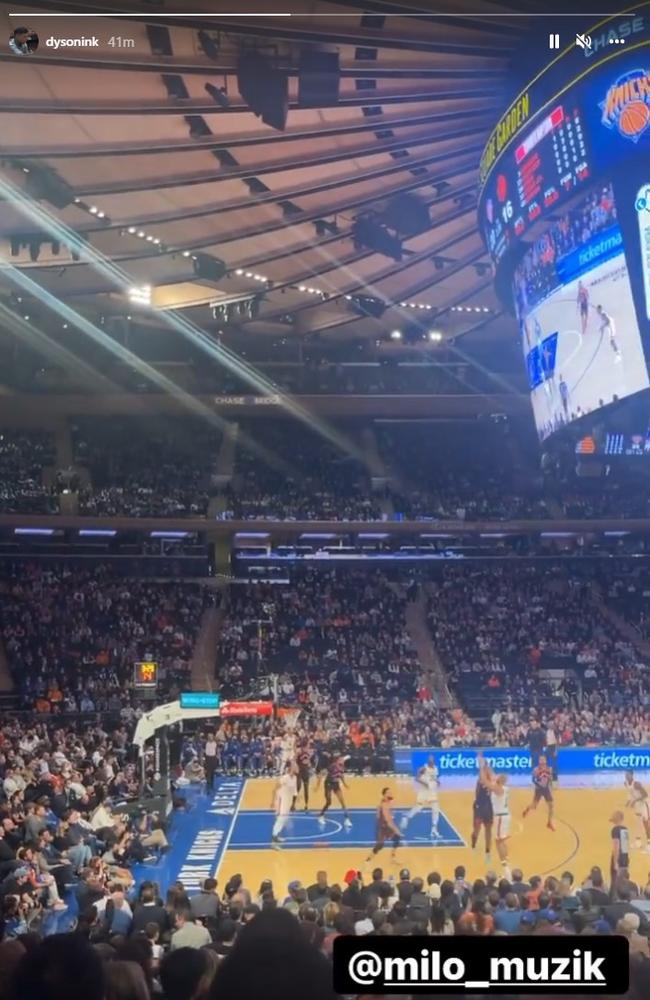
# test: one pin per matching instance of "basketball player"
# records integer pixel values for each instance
(482, 811)
(620, 857)
(583, 306)
(386, 828)
(304, 757)
(287, 750)
(283, 796)
(334, 775)
(564, 397)
(497, 787)
(607, 326)
(426, 783)
(638, 802)
(542, 781)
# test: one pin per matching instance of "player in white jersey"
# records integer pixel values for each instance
(284, 794)
(498, 788)
(426, 786)
(607, 327)
(287, 750)
(637, 800)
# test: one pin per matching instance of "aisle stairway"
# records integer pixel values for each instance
(624, 627)
(6, 680)
(416, 623)
(224, 469)
(376, 468)
(204, 655)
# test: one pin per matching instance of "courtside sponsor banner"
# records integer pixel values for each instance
(548, 964)
(517, 760)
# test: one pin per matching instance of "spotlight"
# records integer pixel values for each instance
(209, 268)
(435, 336)
(209, 45)
(141, 235)
(218, 95)
(396, 335)
(323, 228)
(132, 230)
(93, 210)
(367, 232)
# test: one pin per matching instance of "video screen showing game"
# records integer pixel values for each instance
(578, 324)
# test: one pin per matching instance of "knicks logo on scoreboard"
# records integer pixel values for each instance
(627, 105)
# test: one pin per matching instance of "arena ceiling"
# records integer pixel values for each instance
(158, 172)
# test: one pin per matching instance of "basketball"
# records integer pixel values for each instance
(634, 118)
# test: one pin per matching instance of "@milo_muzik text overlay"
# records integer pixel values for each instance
(546, 964)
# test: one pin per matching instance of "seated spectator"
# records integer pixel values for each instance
(187, 933)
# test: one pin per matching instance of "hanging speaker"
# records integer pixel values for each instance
(408, 215)
(318, 79)
(265, 88)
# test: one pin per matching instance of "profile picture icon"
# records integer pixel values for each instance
(23, 41)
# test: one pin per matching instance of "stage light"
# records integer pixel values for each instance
(396, 335)
(435, 336)
(140, 295)
(209, 45)
(218, 95)
(209, 268)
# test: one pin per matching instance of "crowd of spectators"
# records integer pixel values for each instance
(534, 634)
(626, 589)
(343, 627)
(244, 941)
(456, 473)
(144, 468)
(23, 457)
(288, 472)
(72, 636)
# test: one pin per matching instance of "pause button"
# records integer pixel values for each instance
(553, 41)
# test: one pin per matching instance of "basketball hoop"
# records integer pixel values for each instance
(290, 717)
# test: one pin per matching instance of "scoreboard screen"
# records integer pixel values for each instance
(548, 164)
(145, 674)
(565, 214)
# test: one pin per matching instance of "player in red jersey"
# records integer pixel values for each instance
(543, 783)
(386, 827)
(334, 777)
(304, 760)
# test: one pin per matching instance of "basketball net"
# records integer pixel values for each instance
(290, 717)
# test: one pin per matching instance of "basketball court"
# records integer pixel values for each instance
(229, 832)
